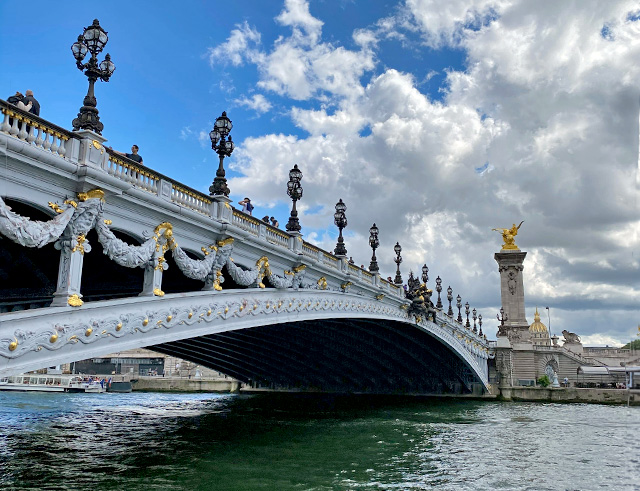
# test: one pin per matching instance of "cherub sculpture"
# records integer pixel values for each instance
(508, 235)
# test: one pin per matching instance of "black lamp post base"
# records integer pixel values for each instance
(88, 119)
(293, 225)
(219, 187)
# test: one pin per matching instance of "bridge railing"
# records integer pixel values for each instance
(34, 130)
(40, 133)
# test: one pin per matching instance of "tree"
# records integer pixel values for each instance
(632, 345)
(544, 381)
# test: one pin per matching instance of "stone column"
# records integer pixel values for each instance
(69, 272)
(512, 293)
(152, 282)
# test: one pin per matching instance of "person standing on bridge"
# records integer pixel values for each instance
(35, 105)
(133, 155)
(247, 207)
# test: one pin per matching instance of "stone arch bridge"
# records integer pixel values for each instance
(99, 254)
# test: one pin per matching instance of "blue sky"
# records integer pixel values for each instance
(437, 119)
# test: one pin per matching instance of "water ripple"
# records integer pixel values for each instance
(145, 441)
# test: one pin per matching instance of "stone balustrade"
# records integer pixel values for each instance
(34, 130)
(190, 199)
(124, 169)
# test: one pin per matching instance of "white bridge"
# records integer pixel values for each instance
(99, 254)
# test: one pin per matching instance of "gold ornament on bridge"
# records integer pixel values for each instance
(264, 270)
(216, 283)
(79, 246)
(322, 283)
(55, 207)
(74, 300)
(508, 235)
(94, 193)
(227, 241)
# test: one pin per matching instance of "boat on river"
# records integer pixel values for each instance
(52, 383)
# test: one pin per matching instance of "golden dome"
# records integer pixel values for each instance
(537, 326)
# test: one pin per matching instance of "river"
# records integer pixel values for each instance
(153, 441)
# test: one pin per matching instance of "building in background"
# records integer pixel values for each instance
(141, 363)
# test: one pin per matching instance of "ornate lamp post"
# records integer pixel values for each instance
(374, 243)
(450, 297)
(439, 289)
(502, 318)
(459, 305)
(294, 190)
(480, 324)
(425, 274)
(466, 311)
(92, 40)
(397, 249)
(475, 316)
(340, 219)
(223, 147)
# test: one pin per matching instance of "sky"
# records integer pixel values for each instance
(436, 119)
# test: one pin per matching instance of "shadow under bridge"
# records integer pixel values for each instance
(372, 356)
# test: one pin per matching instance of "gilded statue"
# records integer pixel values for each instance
(508, 235)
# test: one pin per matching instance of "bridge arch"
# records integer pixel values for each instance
(283, 339)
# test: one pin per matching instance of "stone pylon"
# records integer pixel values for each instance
(512, 294)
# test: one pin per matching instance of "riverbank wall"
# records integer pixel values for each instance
(570, 394)
(522, 394)
(177, 384)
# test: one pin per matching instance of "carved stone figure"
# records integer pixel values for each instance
(512, 282)
(570, 337)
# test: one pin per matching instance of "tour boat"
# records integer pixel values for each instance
(52, 383)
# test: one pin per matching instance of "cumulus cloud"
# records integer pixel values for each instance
(542, 125)
(258, 103)
(242, 44)
(299, 66)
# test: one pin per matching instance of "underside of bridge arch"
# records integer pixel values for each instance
(341, 355)
(104, 279)
(28, 275)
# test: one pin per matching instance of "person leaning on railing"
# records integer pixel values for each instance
(132, 156)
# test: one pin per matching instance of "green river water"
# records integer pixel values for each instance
(152, 441)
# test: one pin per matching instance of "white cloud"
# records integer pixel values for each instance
(258, 103)
(296, 15)
(300, 66)
(241, 44)
(447, 23)
(546, 100)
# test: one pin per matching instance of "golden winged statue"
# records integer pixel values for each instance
(508, 235)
